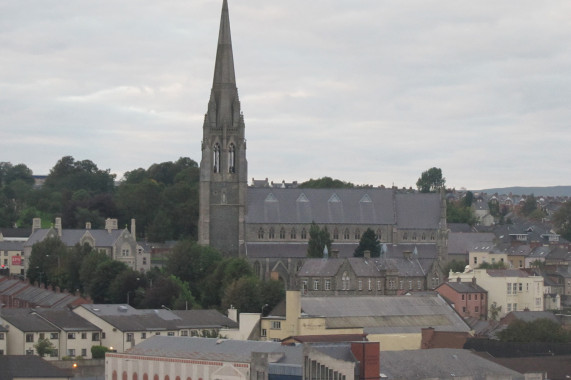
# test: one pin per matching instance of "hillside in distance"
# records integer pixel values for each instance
(548, 191)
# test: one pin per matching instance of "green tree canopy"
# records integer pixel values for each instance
(529, 205)
(540, 330)
(369, 242)
(319, 238)
(431, 181)
(44, 347)
(326, 183)
(562, 220)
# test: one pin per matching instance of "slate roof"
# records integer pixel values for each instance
(336, 350)
(7, 245)
(127, 318)
(70, 238)
(556, 367)
(29, 367)
(362, 267)
(343, 206)
(66, 320)
(465, 287)
(328, 338)
(36, 296)
(441, 363)
(530, 316)
(16, 232)
(520, 250)
(238, 351)
(27, 321)
(385, 314)
(461, 242)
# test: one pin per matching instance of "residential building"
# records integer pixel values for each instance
(120, 245)
(15, 293)
(3, 336)
(508, 289)
(69, 334)
(393, 321)
(468, 298)
(486, 252)
(123, 326)
(11, 257)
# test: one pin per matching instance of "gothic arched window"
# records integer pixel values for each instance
(405, 236)
(379, 234)
(335, 234)
(282, 233)
(357, 234)
(345, 281)
(346, 234)
(261, 233)
(216, 158)
(303, 234)
(414, 236)
(423, 236)
(293, 234)
(272, 234)
(231, 158)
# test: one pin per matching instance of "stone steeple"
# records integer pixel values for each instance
(223, 168)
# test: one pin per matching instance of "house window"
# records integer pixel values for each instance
(463, 309)
(83, 335)
(129, 337)
(509, 307)
(414, 236)
(304, 286)
(315, 284)
(475, 260)
(463, 295)
(360, 284)
(1, 336)
(276, 325)
(391, 284)
(379, 285)
(538, 302)
(157, 333)
(264, 332)
(103, 335)
(509, 288)
(143, 335)
(357, 234)
(54, 354)
(184, 333)
(370, 285)
(42, 335)
(293, 234)
(29, 338)
(71, 352)
(84, 352)
(475, 297)
(409, 284)
(520, 264)
(282, 233)
(515, 306)
(95, 337)
(70, 335)
(194, 333)
(144, 261)
(419, 285)
(477, 309)
(520, 287)
(327, 284)
(469, 297)
(401, 284)
(303, 233)
(170, 333)
(515, 288)
(405, 236)
(125, 252)
(423, 236)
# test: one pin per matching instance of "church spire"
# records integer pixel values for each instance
(224, 67)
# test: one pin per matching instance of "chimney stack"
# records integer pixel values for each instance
(133, 229)
(87, 225)
(36, 224)
(110, 224)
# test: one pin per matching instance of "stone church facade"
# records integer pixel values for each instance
(270, 226)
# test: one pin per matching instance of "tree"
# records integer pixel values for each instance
(468, 199)
(562, 220)
(369, 242)
(244, 295)
(497, 265)
(540, 330)
(45, 261)
(326, 183)
(458, 213)
(98, 352)
(319, 238)
(44, 347)
(272, 292)
(431, 181)
(454, 266)
(529, 206)
(495, 310)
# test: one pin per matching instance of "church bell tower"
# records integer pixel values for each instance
(223, 167)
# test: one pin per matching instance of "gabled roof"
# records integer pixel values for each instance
(27, 320)
(103, 238)
(29, 367)
(461, 242)
(464, 287)
(127, 318)
(66, 320)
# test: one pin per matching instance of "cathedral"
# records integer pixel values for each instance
(269, 226)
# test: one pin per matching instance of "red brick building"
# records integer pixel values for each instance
(467, 298)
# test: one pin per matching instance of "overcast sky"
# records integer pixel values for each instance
(367, 91)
